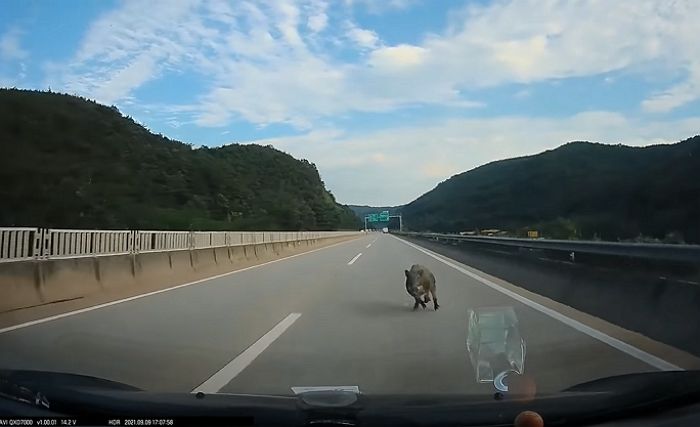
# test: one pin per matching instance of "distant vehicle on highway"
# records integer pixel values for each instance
(385, 230)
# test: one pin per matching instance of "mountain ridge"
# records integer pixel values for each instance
(578, 190)
(69, 162)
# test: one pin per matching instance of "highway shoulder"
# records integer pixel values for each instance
(668, 357)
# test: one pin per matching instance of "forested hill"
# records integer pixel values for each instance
(579, 190)
(69, 162)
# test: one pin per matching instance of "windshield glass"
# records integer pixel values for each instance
(386, 197)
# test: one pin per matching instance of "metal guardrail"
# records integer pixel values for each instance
(17, 243)
(24, 243)
(658, 251)
(73, 243)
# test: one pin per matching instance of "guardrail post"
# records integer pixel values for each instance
(46, 243)
(133, 244)
(191, 246)
(38, 243)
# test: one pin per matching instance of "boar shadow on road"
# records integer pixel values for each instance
(381, 308)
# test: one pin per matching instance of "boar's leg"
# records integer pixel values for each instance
(417, 303)
(435, 303)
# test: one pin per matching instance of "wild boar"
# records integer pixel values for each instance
(420, 284)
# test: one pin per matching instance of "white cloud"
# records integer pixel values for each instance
(265, 65)
(127, 47)
(317, 20)
(275, 61)
(521, 41)
(676, 96)
(380, 6)
(367, 39)
(395, 58)
(672, 98)
(174, 122)
(531, 40)
(395, 166)
(120, 82)
(10, 48)
(288, 80)
(287, 21)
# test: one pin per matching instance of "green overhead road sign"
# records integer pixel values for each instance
(380, 217)
(383, 216)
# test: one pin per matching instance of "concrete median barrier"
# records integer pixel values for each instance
(34, 283)
(113, 272)
(21, 285)
(64, 279)
(250, 253)
(238, 254)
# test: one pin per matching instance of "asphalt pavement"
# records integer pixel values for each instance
(338, 316)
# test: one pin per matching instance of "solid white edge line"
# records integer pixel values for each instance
(620, 345)
(135, 297)
(352, 261)
(224, 376)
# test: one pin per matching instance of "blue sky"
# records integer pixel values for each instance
(387, 97)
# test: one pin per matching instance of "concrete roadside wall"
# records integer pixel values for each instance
(36, 282)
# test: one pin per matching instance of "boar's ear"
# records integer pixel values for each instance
(406, 271)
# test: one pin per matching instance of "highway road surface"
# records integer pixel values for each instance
(337, 316)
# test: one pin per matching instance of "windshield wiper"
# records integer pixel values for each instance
(18, 393)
